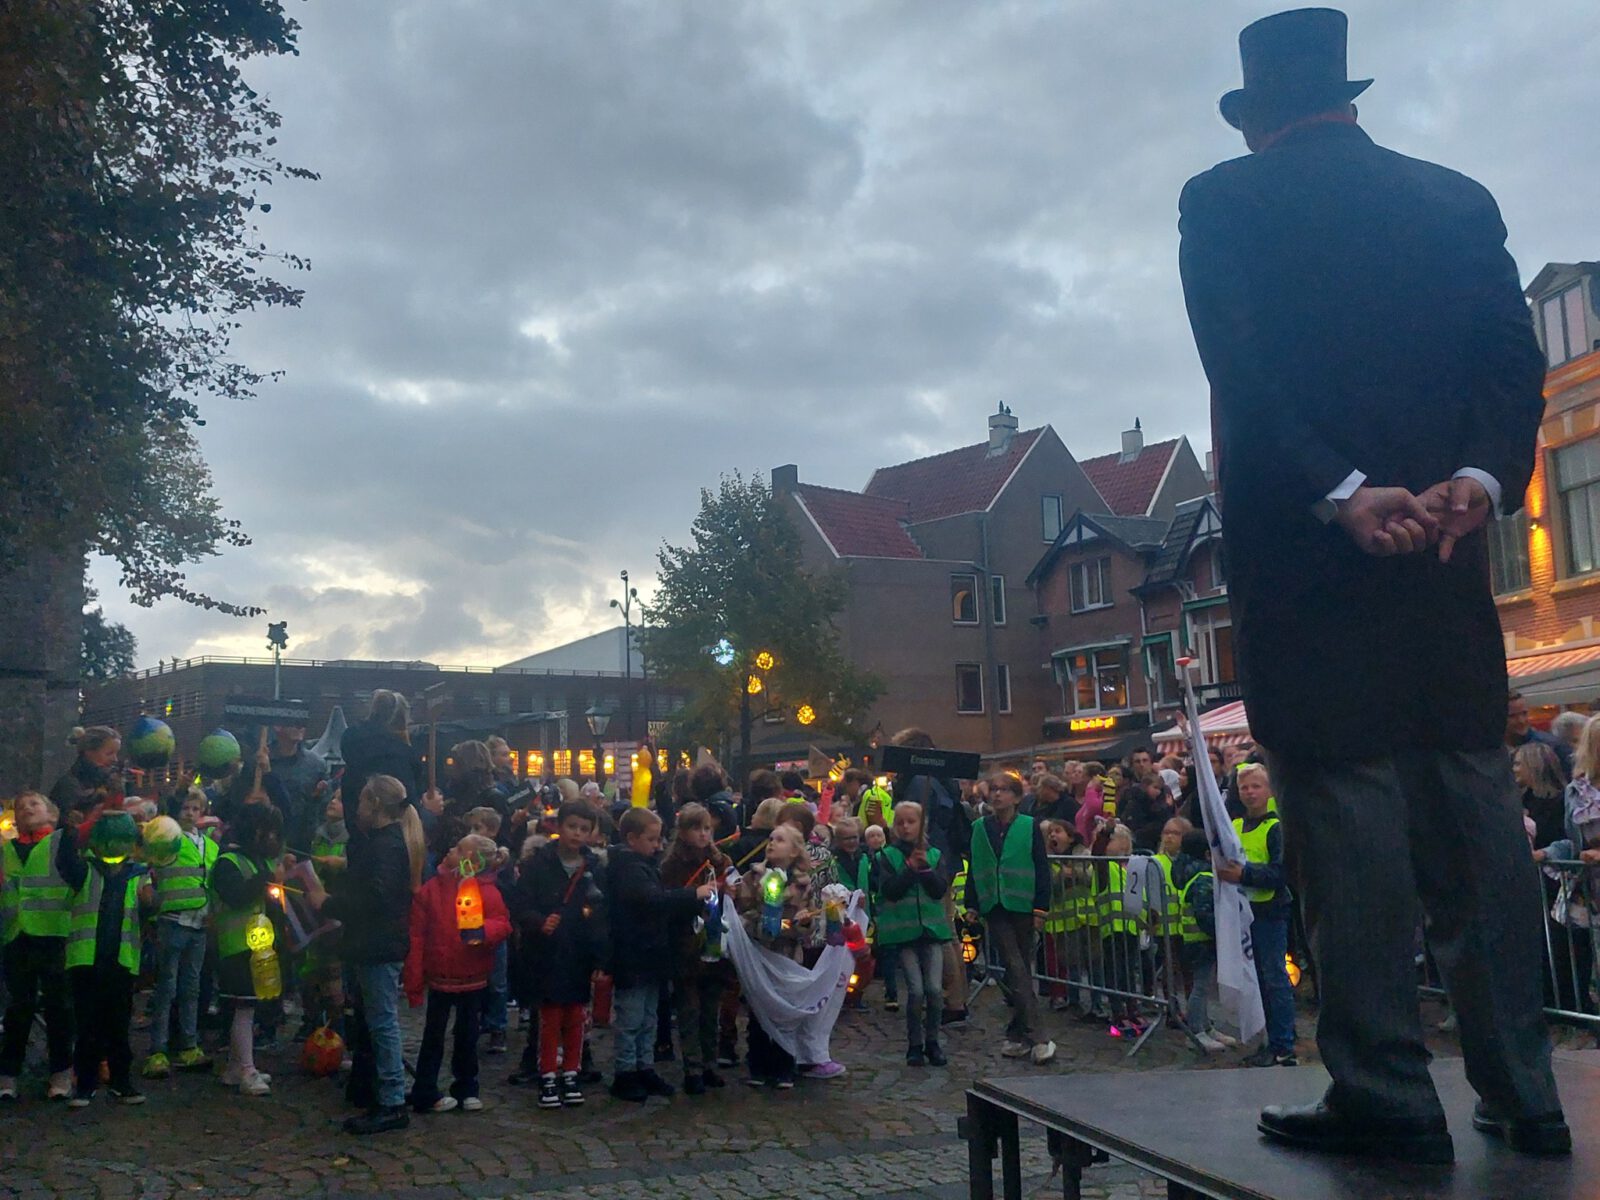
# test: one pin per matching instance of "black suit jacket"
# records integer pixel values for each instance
(1357, 310)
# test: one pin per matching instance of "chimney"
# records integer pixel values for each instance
(1132, 442)
(1002, 428)
(785, 479)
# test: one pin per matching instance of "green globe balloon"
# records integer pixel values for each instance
(162, 837)
(150, 742)
(113, 836)
(217, 751)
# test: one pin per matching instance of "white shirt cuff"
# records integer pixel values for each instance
(1328, 507)
(1489, 482)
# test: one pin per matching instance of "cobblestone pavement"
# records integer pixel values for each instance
(885, 1131)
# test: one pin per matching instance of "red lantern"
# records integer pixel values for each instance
(322, 1053)
(855, 941)
(469, 909)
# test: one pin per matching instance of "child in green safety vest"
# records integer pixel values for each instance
(1197, 925)
(182, 912)
(103, 959)
(885, 966)
(39, 870)
(1064, 960)
(239, 899)
(1119, 928)
(912, 878)
(852, 867)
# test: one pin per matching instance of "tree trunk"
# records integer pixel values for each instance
(41, 638)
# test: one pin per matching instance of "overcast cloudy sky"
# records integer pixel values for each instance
(572, 260)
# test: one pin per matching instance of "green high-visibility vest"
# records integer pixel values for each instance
(861, 881)
(84, 923)
(916, 914)
(1062, 902)
(1164, 921)
(1190, 926)
(181, 887)
(231, 923)
(875, 797)
(1006, 882)
(1111, 905)
(1255, 850)
(34, 899)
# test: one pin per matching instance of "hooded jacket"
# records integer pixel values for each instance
(438, 960)
(556, 968)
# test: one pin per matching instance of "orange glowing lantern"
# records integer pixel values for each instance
(469, 906)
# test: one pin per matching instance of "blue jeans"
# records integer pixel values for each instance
(922, 969)
(379, 985)
(494, 1000)
(633, 1027)
(1269, 936)
(180, 958)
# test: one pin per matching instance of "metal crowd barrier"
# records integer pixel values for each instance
(1571, 903)
(1136, 972)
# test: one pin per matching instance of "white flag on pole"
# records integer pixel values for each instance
(1236, 964)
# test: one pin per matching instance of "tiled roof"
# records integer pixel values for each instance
(957, 481)
(1128, 487)
(859, 526)
(1139, 534)
(1176, 547)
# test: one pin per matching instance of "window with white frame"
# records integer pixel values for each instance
(1097, 680)
(997, 599)
(1566, 333)
(1050, 513)
(1577, 471)
(1002, 687)
(1508, 554)
(964, 599)
(969, 688)
(1091, 584)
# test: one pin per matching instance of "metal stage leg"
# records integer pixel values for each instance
(1005, 1126)
(974, 1127)
(1072, 1157)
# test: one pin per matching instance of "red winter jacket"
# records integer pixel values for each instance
(438, 959)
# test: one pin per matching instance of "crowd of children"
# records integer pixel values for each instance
(582, 919)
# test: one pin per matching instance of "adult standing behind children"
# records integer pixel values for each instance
(1008, 885)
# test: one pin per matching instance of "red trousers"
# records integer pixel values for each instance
(560, 1034)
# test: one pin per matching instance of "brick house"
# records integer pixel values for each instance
(1545, 560)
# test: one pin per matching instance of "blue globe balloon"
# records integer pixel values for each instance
(150, 742)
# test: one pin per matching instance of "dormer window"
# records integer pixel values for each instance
(1565, 327)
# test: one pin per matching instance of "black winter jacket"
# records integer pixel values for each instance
(369, 749)
(374, 898)
(556, 969)
(640, 911)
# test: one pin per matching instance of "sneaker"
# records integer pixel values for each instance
(1209, 1044)
(379, 1120)
(192, 1059)
(827, 1070)
(233, 1078)
(81, 1098)
(1448, 1025)
(1285, 1060)
(1227, 1040)
(694, 1083)
(255, 1084)
(891, 1005)
(916, 1057)
(654, 1085)
(784, 1083)
(757, 1081)
(62, 1086)
(157, 1066)
(713, 1080)
(8, 1088)
(571, 1094)
(126, 1094)
(1043, 1053)
(472, 1104)
(550, 1092)
(445, 1104)
(935, 1055)
(497, 1042)
(1015, 1049)
(727, 1058)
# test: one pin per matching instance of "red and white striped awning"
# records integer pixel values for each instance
(1550, 660)
(1222, 726)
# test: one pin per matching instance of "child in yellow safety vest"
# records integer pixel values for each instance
(1065, 962)
(238, 891)
(103, 959)
(39, 871)
(1119, 929)
(182, 913)
(1191, 875)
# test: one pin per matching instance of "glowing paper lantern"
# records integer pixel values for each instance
(265, 974)
(469, 907)
(773, 883)
(150, 743)
(322, 1053)
(113, 837)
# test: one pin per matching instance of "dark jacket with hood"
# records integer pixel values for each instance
(374, 900)
(641, 911)
(370, 749)
(555, 968)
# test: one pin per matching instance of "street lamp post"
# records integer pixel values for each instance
(599, 719)
(625, 606)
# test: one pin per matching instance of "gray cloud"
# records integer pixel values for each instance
(573, 260)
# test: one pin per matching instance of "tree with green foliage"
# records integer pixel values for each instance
(132, 155)
(740, 591)
(108, 647)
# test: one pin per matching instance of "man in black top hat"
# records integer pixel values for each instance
(1376, 393)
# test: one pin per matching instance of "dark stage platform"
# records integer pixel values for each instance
(1197, 1130)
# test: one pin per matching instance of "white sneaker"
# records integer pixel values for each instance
(62, 1086)
(472, 1104)
(8, 1088)
(1043, 1053)
(1016, 1050)
(1209, 1044)
(234, 1078)
(255, 1084)
(1227, 1041)
(445, 1104)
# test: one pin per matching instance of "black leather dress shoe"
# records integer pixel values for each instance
(1318, 1127)
(1526, 1135)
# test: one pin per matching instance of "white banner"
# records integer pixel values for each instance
(1236, 964)
(797, 1007)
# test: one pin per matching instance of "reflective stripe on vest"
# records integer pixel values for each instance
(182, 886)
(231, 923)
(1166, 919)
(34, 899)
(1007, 882)
(1255, 850)
(916, 914)
(85, 923)
(1189, 925)
(1110, 906)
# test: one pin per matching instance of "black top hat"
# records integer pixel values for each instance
(1294, 58)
